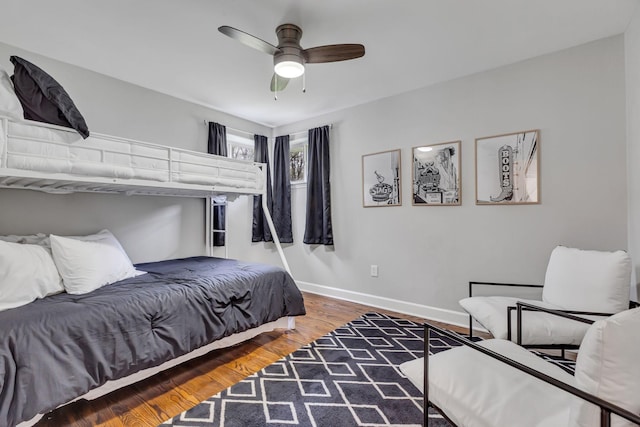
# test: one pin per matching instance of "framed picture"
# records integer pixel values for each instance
(381, 179)
(508, 169)
(436, 174)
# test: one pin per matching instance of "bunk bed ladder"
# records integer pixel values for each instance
(211, 230)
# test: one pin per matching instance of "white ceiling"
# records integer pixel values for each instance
(174, 47)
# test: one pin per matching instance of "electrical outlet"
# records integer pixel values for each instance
(374, 270)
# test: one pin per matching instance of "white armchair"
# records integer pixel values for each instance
(498, 383)
(588, 283)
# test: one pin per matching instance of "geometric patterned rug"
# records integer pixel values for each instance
(349, 377)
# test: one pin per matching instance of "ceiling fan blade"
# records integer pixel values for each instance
(333, 53)
(248, 39)
(278, 83)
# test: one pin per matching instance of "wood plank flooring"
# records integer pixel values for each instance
(152, 401)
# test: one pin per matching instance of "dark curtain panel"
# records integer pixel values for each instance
(318, 229)
(218, 145)
(282, 190)
(260, 231)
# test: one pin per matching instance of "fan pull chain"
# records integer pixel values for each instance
(304, 83)
(275, 89)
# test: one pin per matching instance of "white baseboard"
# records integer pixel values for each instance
(438, 314)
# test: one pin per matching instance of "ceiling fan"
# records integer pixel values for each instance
(289, 58)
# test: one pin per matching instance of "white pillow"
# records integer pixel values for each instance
(588, 280)
(27, 272)
(39, 239)
(90, 262)
(608, 367)
(9, 103)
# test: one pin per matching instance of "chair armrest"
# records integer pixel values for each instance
(567, 314)
(472, 283)
(607, 408)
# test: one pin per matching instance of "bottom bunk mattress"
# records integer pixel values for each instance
(60, 347)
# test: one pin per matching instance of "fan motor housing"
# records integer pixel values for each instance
(289, 34)
(289, 44)
(289, 48)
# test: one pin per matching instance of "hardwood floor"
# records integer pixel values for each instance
(157, 399)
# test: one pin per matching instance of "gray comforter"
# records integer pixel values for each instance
(62, 346)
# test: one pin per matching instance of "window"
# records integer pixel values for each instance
(298, 159)
(241, 152)
(240, 147)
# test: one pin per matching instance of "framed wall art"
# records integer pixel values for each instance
(508, 169)
(381, 184)
(436, 175)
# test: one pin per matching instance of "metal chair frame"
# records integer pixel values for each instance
(530, 307)
(606, 408)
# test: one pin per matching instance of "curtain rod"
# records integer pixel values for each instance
(206, 123)
(305, 131)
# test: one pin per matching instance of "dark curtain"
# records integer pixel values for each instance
(282, 189)
(217, 144)
(318, 229)
(260, 231)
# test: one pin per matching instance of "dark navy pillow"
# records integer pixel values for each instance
(43, 99)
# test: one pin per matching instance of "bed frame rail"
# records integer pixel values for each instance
(71, 164)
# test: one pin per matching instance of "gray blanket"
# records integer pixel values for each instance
(60, 347)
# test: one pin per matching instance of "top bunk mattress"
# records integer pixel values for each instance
(59, 158)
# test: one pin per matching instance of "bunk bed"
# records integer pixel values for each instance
(54, 159)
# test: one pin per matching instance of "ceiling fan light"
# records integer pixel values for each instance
(289, 69)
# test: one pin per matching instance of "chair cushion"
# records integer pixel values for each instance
(608, 367)
(537, 328)
(497, 394)
(588, 280)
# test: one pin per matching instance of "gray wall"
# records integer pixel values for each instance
(426, 255)
(150, 228)
(632, 58)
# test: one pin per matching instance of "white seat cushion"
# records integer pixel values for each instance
(608, 367)
(588, 280)
(538, 328)
(496, 394)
